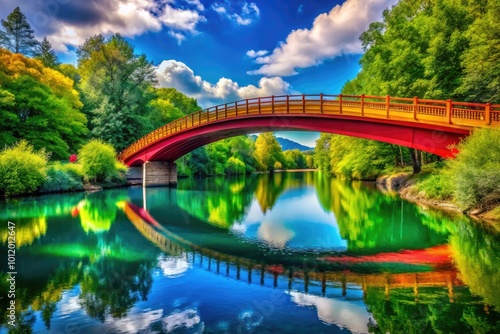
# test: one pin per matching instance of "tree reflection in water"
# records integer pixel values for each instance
(114, 265)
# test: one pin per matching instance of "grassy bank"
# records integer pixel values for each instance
(24, 171)
(469, 182)
(435, 187)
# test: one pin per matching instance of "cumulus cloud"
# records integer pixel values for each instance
(197, 4)
(254, 54)
(332, 34)
(176, 74)
(244, 14)
(69, 23)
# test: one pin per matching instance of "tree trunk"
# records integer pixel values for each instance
(416, 160)
(401, 155)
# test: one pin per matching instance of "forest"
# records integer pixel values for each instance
(426, 48)
(443, 49)
(50, 111)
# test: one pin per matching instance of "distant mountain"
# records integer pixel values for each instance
(287, 144)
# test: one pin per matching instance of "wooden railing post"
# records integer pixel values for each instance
(225, 110)
(387, 105)
(415, 107)
(487, 113)
(303, 103)
(192, 120)
(272, 102)
(236, 108)
(259, 105)
(288, 104)
(247, 106)
(340, 103)
(186, 122)
(208, 115)
(199, 117)
(448, 110)
(216, 113)
(321, 103)
(362, 104)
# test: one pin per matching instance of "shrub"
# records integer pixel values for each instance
(22, 170)
(58, 179)
(98, 160)
(73, 169)
(277, 165)
(475, 172)
(235, 166)
(436, 186)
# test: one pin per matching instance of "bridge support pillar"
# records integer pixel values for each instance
(159, 173)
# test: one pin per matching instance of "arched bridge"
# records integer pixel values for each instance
(428, 125)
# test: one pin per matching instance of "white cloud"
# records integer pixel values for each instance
(254, 54)
(300, 9)
(332, 34)
(177, 35)
(244, 15)
(176, 74)
(69, 23)
(197, 4)
(219, 9)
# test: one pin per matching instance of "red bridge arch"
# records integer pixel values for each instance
(428, 125)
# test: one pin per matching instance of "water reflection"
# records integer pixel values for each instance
(310, 211)
(343, 313)
(102, 261)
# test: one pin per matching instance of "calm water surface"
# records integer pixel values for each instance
(284, 253)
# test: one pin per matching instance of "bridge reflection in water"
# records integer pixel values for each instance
(308, 280)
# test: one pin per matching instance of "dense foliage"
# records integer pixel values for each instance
(115, 86)
(40, 105)
(98, 160)
(434, 50)
(475, 173)
(22, 169)
(430, 49)
(354, 157)
(240, 155)
(61, 178)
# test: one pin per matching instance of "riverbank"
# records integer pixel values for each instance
(407, 186)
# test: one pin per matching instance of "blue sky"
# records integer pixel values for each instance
(224, 50)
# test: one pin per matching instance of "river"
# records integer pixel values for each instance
(294, 252)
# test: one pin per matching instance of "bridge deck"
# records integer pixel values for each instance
(424, 113)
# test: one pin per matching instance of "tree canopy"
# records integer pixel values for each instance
(46, 54)
(40, 105)
(115, 84)
(17, 35)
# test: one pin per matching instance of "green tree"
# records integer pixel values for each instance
(294, 159)
(235, 166)
(115, 83)
(482, 60)
(40, 105)
(267, 151)
(321, 152)
(218, 154)
(352, 157)
(242, 148)
(310, 161)
(46, 54)
(17, 35)
(169, 105)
